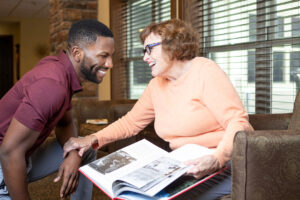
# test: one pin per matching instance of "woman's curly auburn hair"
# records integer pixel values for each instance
(179, 39)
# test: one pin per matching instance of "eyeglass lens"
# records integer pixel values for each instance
(149, 47)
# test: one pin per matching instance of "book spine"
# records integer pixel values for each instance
(118, 198)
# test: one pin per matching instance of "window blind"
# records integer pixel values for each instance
(130, 74)
(257, 43)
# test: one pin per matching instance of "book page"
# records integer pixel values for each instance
(104, 171)
(190, 151)
(152, 177)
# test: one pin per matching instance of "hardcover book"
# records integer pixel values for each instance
(145, 171)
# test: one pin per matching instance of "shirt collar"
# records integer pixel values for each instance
(75, 83)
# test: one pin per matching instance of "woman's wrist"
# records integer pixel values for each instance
(221, 158)
(94, 141)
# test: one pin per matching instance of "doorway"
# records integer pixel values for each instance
(6, 63)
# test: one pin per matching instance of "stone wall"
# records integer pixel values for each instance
(62, 14)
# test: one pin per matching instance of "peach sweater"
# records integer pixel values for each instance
(200, 107)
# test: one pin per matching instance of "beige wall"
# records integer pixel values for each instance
(104, 91)
(34, 42)
(11, 28)
(33, 37)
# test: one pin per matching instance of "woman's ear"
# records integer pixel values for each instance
(77, 53)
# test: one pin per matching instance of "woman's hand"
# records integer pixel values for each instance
(203, 166)
(81, 144)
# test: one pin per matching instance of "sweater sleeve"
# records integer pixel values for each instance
(131, 124)
(221, 98)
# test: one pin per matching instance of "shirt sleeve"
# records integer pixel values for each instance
(221, 98)
(132, 123)
(41, 101)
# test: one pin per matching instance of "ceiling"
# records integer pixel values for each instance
(24, 9)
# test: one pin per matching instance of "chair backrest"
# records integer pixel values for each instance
(89, 108)
(295, 120)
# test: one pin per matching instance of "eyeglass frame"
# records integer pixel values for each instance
(148, 47)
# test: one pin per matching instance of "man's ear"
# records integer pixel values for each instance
(77, 53)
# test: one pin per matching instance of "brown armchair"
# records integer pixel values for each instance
(266, 162)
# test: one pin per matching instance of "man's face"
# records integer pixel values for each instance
(97, 59)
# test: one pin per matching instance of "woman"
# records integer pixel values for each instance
(191, 99)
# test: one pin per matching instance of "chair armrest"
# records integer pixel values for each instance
(270, 121)
(266, 165)
(117, 111)
(119, 108)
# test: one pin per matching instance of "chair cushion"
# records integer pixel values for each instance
(295, 120)
(266, 165)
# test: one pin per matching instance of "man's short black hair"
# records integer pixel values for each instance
(85, 32)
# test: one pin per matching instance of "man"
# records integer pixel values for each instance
(40, 101)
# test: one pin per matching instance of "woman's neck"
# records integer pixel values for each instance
(177, 69)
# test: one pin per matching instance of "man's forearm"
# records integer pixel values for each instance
(65, 132)
(14, 171)
(17, 141)
(65, 129)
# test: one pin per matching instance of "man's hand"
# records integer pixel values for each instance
(69, 171)
(203, 166)
(81, 144)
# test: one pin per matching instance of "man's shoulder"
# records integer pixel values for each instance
(49, 69)
(50, 63)
(45, 90)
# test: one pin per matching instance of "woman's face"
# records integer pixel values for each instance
(157, 60)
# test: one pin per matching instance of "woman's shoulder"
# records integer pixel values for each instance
(204, 64)
(203, 61)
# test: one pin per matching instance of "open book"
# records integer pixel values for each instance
(144, 171)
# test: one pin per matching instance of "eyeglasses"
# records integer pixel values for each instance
(149, 47)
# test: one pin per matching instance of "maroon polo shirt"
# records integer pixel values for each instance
(41, 97)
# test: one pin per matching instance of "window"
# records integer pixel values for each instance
(131, 74)
(278, 66)
(295, 66)
(140, 13)
(251, 66)
(257, 43)
(295, 26)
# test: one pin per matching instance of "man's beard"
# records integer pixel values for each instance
(88, 72)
